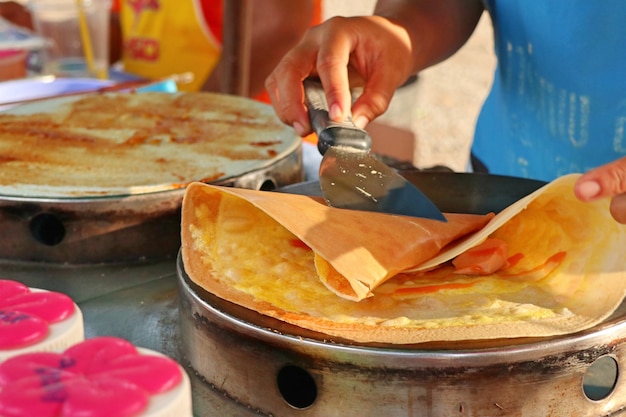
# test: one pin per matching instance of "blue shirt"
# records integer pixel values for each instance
(558, 100)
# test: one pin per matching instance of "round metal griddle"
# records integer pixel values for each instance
(283, 370)
(44, 220)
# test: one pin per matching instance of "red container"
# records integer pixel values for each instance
(12, 64)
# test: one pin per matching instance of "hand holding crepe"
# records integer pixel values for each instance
(371, 277)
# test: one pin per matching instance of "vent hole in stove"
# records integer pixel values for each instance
(600, 378)
(47, 229)
(297, 387)
(267, 185)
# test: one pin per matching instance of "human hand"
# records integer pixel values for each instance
(606, 181)
(344, 53)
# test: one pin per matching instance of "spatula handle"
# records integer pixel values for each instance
(330, 133)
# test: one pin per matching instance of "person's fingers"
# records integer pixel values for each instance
(605, 181)
(381, 58)
(373, 101)
(337, 44)
(284, 86)
(340, 51)
(618, 208)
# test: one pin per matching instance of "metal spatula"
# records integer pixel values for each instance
(350, 177)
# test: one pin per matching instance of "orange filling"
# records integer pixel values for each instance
(529, 275)
(427, 289)
(483, 259)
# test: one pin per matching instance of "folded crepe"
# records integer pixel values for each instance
(372, 277)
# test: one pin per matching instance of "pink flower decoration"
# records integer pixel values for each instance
(25, 316)
(101, 377)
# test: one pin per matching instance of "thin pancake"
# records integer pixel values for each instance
(568, 273)
(125, 143)
(357, 265)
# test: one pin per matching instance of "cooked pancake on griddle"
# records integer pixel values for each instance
(371, 277)
(129, 143)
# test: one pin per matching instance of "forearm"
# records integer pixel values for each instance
(435, 29)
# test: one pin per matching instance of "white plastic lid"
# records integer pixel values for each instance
(13, 37)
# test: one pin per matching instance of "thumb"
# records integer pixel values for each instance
(618, 208)
(373, 101)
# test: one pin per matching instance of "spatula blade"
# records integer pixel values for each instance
(353, 179)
